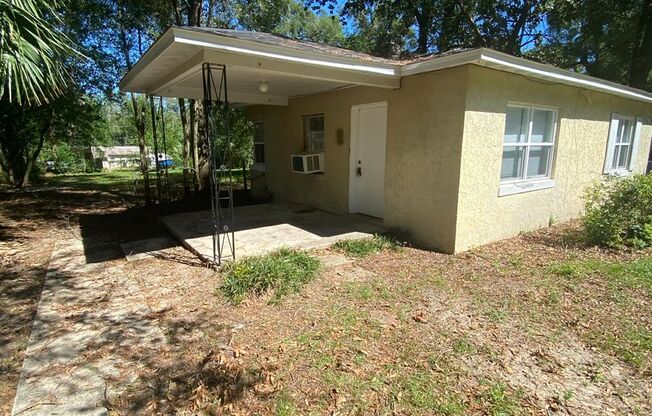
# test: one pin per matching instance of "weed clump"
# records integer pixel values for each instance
(363, 247)
(283, 271)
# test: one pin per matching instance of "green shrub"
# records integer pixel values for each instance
(363, 247)
(64, 158)
(283, 271)
(619, 212)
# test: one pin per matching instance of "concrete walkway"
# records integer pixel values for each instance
(88, 338)
(263, 228)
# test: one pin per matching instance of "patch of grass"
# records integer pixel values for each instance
(366, 291)
(495, 314)
(515, 260)
(351, 386)
(553, 297)
(347, 317)
(359, 290)
(121, 181)
(283, 271)
(567, 269)
(463, 346)
(636, 274)
(633, 345)
(359, 358)
(421, 394)
(285, 406)
(499, 400)
(322, 361)
(363, 247)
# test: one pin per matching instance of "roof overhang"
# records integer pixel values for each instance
(508, 63)
(173, 67)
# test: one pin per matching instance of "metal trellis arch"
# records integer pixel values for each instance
(217, 135)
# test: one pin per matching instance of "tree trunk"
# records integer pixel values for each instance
(244, 176)
(45, 129)
(452, 30)
(157, 162)
(194, 12)
(479, 40)
(424, 31)
(185, 126)
(139, 119)
(515, 38)
(194, 131)
(641, 63)
(201, 154)
(424, 18)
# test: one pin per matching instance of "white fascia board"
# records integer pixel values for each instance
(539, 70)
(207, 40)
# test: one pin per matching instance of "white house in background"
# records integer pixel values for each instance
(115, 157)
(124, 157)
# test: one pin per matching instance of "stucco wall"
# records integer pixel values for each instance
(583, 124)
(424, 126)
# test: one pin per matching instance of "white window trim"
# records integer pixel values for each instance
(611, 145)
(521, 185)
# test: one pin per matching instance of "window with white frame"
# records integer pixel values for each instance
(259, 144)
(313, 133)
(528, 145)
(621, 144)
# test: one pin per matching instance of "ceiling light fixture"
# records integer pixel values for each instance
(263, 86)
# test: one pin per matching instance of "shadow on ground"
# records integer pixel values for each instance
(153, 378)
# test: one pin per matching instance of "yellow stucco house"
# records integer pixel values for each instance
(456, 150)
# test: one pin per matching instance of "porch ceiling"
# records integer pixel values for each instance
(173, 67)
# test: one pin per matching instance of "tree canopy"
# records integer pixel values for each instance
(609, 39)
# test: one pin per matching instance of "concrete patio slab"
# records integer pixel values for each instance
(150, 248)
(263, 228)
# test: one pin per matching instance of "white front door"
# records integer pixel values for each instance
(368, 138)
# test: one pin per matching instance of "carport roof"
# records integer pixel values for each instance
(284, 41)
(290, 67)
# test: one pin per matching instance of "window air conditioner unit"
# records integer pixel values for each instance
(308, 163)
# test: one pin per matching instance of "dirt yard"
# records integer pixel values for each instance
(538, 324)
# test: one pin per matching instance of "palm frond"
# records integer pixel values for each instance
(33, 51)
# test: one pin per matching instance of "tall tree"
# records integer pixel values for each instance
(610, 39)
(423, 26)
(181, 17)
(126, 24)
